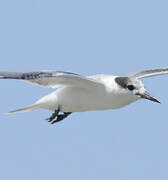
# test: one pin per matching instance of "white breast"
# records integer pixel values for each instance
(75, 99)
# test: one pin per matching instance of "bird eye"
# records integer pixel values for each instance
(131, 87)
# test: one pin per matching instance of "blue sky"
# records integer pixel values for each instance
(85, 37)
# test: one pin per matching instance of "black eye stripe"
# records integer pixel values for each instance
(125, 82)
(122, 81)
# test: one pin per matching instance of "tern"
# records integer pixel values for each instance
(76, 93)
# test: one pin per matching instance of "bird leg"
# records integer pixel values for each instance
(54, 115)
(59, 117)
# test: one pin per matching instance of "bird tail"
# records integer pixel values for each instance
(29, 108)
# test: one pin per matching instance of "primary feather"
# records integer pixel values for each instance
(52, 79)
(148, 73)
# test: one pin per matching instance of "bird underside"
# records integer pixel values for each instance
(56, 117)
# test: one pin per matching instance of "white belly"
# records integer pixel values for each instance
(74, 99)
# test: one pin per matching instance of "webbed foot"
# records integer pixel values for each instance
(56, 117)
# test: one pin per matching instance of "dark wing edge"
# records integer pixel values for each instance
(52, 79)
(32, 75)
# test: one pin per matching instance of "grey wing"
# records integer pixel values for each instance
(52, 79)
(148, 73)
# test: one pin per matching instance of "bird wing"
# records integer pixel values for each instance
(148, 73)
(53, 79)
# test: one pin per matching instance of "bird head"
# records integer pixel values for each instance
(135, 87)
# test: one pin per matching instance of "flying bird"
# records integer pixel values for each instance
(76, 93)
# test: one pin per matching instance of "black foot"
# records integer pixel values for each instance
(53, 116)
(59, 117)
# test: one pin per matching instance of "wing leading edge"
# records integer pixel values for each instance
(52, 79)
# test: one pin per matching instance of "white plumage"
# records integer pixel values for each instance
(77, 93)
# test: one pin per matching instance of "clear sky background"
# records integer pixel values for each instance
(85, 37)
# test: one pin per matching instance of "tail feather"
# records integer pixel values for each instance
(29, 108)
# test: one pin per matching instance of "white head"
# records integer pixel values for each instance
(134, 87)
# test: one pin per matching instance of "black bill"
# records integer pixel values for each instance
(146, 95)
